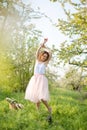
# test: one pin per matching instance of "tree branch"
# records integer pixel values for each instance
(77, 64)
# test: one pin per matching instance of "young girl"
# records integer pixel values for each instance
(37, 89)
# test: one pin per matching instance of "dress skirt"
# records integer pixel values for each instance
(37, 89)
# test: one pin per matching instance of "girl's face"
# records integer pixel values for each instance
(43, 57)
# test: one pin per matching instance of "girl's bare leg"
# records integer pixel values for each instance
(47, 106)
(38, 105)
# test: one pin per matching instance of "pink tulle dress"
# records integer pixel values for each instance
(37, 88)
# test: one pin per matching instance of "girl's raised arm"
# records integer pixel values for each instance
(41, 46)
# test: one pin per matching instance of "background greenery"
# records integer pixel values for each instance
(69, 112)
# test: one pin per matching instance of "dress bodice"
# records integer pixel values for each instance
(39, 68)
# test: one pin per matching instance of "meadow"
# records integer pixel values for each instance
(69, 112)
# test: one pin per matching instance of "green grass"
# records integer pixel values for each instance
(69, 112)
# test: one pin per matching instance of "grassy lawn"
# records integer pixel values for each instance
(69, 112)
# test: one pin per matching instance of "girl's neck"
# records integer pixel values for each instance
(40, 61)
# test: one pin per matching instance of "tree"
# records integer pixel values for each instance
(18, 40)
(74, 79)
(5, 73)
(74, 50)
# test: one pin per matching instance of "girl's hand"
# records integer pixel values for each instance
(43, 44)
(45, 40)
